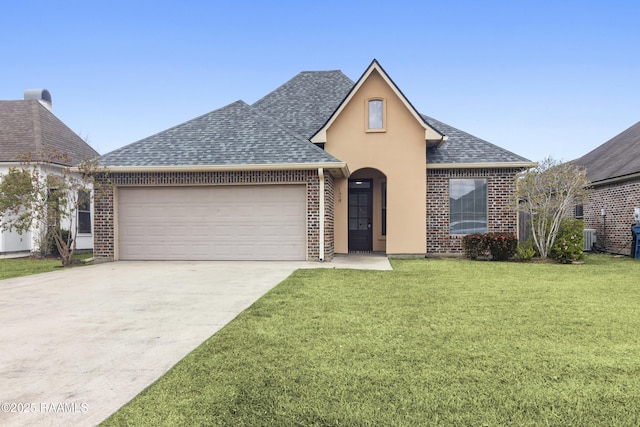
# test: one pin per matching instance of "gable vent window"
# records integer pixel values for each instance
(375, 115)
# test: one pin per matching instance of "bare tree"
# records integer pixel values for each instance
(547, 193)
(44, 196)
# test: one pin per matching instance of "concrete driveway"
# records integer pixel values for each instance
(77, 344)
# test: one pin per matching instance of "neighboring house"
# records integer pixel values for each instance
(29, 127)
(320, 166)
(614, 172)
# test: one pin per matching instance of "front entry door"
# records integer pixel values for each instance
(360, 215)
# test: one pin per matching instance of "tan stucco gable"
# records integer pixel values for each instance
(430, 134)
(392, 157)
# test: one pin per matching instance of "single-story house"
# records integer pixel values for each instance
(613, 170)
(320, 166)
(28, 127)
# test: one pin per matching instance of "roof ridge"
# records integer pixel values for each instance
(319, 71)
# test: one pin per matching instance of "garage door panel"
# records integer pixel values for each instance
(151, 249)
(134, 231)
(155, 231)
(201, 230)
(155, 211)
(264, 222)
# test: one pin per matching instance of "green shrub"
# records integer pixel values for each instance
(474, 246)
(502, 246)
(526, 251)
(569, 242)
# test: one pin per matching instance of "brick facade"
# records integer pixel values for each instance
(104, 222)
(613, 232)
(502, 216)
(329, 208)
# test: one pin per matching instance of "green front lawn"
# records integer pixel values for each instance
(17, 267)
(434, 342)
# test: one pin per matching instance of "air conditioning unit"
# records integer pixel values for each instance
(589, 239)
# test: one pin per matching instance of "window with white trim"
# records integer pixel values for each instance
(84, 212)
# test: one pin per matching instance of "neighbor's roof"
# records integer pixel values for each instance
(463, 148)
(616, 158)
(26, 126)
(233, 135)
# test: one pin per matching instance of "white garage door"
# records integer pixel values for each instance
(257, 222)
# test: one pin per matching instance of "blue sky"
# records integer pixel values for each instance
(539, 78)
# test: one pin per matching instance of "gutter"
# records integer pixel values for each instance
(615, 180)
(233, 167)
(333, 166)
(481, 165)
(321, 214)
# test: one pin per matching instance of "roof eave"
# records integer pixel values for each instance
(477, 165)
(615, 180)
(339, 168)
(434, 141)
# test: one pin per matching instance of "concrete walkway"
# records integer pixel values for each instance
(77, 344)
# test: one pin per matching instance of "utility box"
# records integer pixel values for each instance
(589, 235)
(635, 244)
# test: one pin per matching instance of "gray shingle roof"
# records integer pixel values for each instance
(28, 127)
(615, 158)
(276, 129)
(462, 147)
(305, 102)
(233, 135)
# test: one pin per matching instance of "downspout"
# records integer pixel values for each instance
(321, 209)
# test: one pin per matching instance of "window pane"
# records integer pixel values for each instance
(84, 222)
(84, 212)
(84, 200)
(467, 206)
(359, 184)
(375, 114)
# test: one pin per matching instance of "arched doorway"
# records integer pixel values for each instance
(367, 211)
